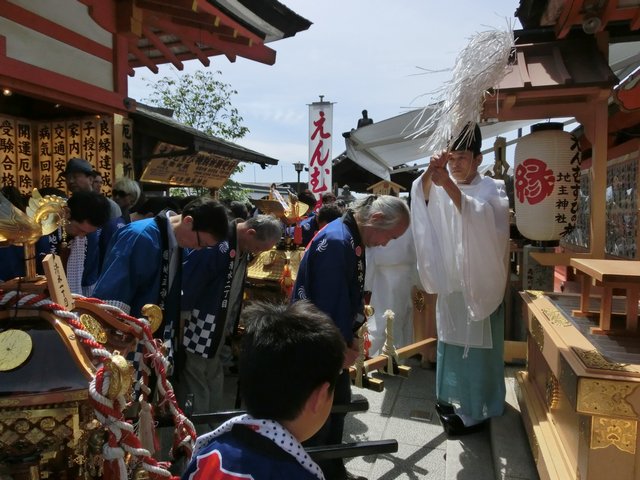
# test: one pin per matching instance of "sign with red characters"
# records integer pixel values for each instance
(320, 143)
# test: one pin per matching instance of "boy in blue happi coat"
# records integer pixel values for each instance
(289, 363)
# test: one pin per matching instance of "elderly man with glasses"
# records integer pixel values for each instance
(331, 276)
(213, 288)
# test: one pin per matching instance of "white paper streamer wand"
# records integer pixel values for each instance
(479, 67)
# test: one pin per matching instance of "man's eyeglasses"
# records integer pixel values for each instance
(119, 193)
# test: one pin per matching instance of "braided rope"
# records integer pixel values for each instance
(184, 433)
(122, 436)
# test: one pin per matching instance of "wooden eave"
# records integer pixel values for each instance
(566, 17)
(149, 122)
(173, 31)
(576, 12)
(347, 172)
(273, 12)
(395, 185)
(551, 79)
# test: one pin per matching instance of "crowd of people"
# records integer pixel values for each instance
(191, 258)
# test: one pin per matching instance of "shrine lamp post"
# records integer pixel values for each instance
(298, 166)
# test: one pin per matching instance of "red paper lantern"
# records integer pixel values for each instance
(546, 182)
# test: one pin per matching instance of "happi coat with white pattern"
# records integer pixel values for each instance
(250, 448)
(331, 275)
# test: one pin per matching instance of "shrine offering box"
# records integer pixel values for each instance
(580, 393)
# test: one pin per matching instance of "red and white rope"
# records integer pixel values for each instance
(122, 436)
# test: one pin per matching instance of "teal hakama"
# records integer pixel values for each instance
(474, 382)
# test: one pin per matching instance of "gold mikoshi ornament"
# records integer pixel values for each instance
(15, 348)
(94, 328)
(418, 301)
(140, 474)
(369, 311)
(153, 314)
(121, 378)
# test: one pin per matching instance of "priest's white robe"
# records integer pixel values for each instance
(462, 256)
(391, 272)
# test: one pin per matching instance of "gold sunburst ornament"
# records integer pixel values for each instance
(47, 211)
(42, 217)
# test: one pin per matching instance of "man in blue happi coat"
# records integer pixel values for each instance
(144, 263)
(310, 225)
(83, 265)
(331, 276)
(213, 286)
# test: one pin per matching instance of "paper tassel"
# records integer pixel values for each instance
(146, 430)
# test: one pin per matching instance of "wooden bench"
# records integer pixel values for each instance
(610, 274)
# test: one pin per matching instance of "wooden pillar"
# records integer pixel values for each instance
(599, 179)
(595, 121)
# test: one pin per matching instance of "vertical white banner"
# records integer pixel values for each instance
(320, 140)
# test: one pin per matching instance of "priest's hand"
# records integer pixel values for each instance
(437, 164)
(438, 167)
(439, 160)
(440, 176)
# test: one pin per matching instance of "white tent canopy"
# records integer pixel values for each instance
(382, 146)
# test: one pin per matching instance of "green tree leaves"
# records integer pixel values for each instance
(203, 101)
(200, 100)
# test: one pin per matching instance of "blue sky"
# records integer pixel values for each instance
(359, 54)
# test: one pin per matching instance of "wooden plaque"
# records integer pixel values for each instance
(57, 282)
